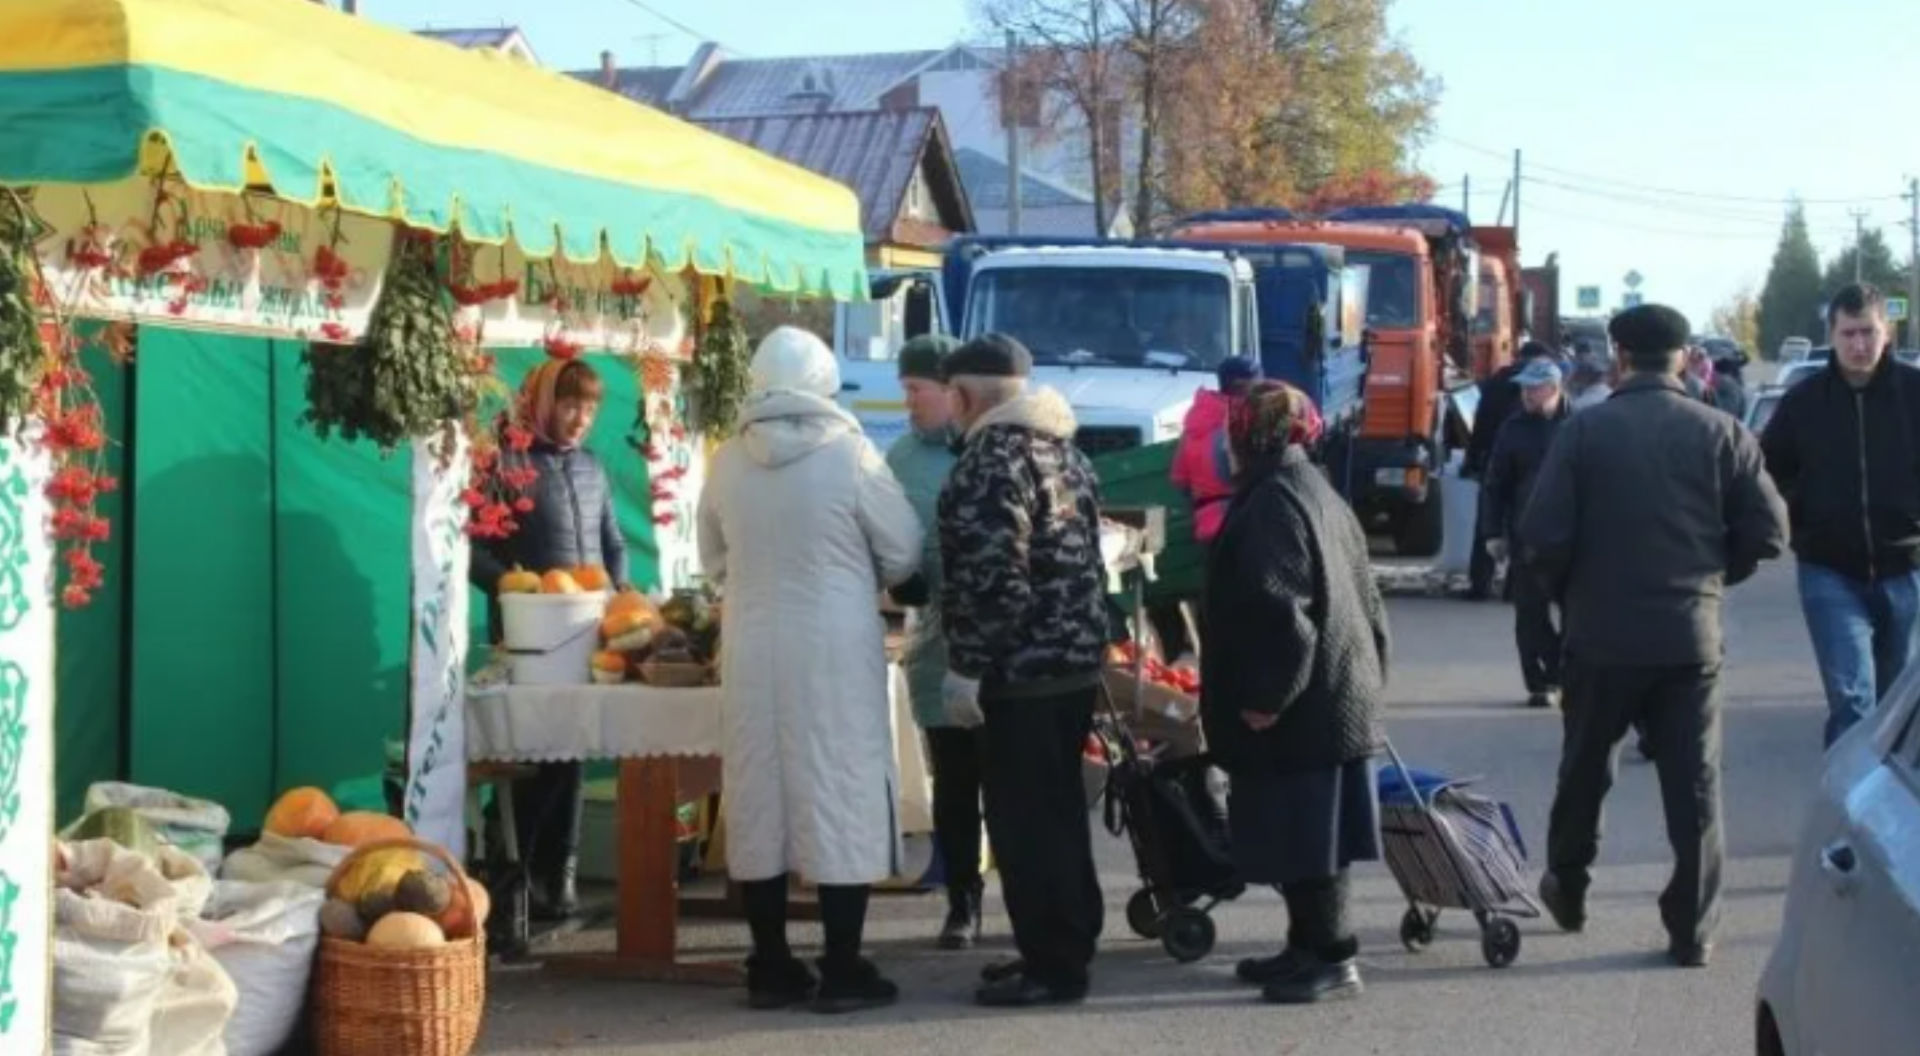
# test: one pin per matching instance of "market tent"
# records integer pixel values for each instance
(324, 108)
(257, 609)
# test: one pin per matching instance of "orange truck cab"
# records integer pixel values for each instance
(1424, 277)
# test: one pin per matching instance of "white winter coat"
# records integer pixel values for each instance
(803, 525)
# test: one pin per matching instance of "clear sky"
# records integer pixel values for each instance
(1736, 103)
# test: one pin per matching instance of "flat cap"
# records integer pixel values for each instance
(989, 356)
(922, 357)
(1649, 330)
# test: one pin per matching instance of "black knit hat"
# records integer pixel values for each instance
(923, 356)
(989, 356)
(1649, 331)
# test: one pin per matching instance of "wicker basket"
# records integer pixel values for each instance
(673, 675)
(385, 1002)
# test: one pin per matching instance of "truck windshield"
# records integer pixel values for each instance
(1393, 288)
(1111, 317)
(1488, 317)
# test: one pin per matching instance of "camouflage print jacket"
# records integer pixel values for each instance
(1024, 601)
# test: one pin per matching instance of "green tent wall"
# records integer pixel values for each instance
(254, 633)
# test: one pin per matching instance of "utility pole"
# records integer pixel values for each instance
(1516, 192)
(1013, 98)
(1466, 194)
(1859, 236)
(1913, 265)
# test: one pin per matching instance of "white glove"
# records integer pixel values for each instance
(1497, 549)
(962, 696)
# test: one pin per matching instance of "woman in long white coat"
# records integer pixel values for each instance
(803, 526)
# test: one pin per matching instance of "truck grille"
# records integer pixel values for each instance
(1096, 440)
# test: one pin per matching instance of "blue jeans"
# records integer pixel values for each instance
(1863, 637)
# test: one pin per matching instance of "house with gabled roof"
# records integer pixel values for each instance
(506, 40)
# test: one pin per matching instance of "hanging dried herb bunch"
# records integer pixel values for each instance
(410, 375)
(717, 383)
(23, 353)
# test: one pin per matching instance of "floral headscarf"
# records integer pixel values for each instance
(1271, 417)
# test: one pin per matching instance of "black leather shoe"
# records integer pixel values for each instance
(1316, 982)
(1691, 954)
(1567, 910)
(853, 988)
(1000, 971)
(1263, 970)
(1024, 991)
(778, 984)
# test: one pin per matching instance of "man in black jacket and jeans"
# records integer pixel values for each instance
(1518, 453)
(1844, 447)
(1649, 507)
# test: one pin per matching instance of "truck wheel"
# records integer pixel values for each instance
(1419, 532)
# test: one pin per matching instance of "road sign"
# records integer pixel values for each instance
(1631, 299)
(1633, 280)
(1588, 298)
(1896, 308)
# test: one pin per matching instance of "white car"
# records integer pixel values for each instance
(1838, 983)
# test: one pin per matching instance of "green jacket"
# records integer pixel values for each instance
(921, 462)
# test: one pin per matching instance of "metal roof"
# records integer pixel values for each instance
(875, 152)
(477, 38)
(988, 180)
(737, 87)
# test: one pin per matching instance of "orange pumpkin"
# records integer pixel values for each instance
(629, 601)
(520, 581)
(559, 581)
(592, 578)
(461, 920)
(302, 812)
(405, 931)
(358, 827)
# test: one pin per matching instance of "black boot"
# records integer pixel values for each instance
(1327, 966)
(848, 981)
(962, 928)
(775, 977)
(1328, 975)
(776, 982)
(558, 862)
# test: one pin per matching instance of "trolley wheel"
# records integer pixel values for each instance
(1416, 929)
(1187, 935)
(1500, 941)
(1143, 914)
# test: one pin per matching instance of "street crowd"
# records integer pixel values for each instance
(1619, 486)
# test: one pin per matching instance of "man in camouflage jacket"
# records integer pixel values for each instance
(1024, 609)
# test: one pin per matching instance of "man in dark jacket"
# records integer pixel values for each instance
(1518, 454)
(1844, 446)
(1024, 607)
(1499, 400)
(1649, 506)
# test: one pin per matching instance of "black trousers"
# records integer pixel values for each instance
(956, 756)
(1534, 633)
(546, 813)
(1042, 840)
(1480, 564)
(1679, 708)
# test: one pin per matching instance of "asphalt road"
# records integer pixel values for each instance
(1454, 708)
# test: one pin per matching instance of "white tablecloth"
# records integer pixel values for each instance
(550, 724)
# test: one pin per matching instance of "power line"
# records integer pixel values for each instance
(698, 36)
(1584, 176)
(1615, 223)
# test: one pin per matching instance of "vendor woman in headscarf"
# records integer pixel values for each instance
(571, 524)
(1293, 669)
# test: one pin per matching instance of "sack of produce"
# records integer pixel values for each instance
(196, 826)
(264, 935)
(298, 859)
(127, 976)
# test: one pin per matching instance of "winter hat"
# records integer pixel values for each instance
(792, 360)
(1649, 331)
(1538, 372)
(1235, 370)
(921, 357)
(989, 356)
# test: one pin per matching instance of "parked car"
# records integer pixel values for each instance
(1798, 371)
(1760, 409)
(1838, 979)
(1794, 348)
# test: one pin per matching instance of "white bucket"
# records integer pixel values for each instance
(551, 638)
(1460, 506)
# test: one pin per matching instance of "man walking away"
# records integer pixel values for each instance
(1518, 453)
(1025, 611)
(1842, 445)
(1649, 506)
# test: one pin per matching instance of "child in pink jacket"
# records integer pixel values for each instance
(1200, 464)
